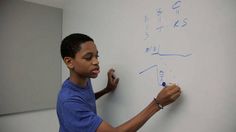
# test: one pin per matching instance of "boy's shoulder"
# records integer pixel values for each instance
(65, 91)
(71, 91)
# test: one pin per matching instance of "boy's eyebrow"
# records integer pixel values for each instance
(89, 53)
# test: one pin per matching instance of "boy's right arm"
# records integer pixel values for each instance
(165, 97)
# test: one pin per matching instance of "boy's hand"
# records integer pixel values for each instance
(168, 94)
(112, 81)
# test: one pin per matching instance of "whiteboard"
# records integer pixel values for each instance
(190, 43)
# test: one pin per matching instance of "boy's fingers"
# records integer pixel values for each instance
(117, 81)
(111, 74)
(175, 96)
(174, 88)
(111, 70)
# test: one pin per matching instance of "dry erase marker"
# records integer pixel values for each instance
(163, 84)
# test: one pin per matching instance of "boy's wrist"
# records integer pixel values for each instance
(160, 106)
(106, 90)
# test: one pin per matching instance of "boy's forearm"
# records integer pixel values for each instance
(139, 120)
(100, 93)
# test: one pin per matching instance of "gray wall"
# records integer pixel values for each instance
(30, 36)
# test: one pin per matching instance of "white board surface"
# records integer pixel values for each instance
(188, 42)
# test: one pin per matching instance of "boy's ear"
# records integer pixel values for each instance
(69, 62)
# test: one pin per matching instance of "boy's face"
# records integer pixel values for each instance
(86, 64)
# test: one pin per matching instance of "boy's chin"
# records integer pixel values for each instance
(93, 76)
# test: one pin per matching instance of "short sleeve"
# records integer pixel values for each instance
(79, 118)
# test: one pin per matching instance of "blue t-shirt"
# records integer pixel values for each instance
(76, 108)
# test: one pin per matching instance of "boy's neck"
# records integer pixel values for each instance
(78, 81)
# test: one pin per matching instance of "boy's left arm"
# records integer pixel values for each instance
(111, 84)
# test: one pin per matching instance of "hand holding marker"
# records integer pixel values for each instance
(167, 95)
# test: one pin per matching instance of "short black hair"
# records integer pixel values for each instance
(71, 44)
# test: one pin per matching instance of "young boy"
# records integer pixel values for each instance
(76, 107)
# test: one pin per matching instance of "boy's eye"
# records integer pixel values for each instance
(90, 56)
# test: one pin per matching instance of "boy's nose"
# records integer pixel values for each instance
(95, 62)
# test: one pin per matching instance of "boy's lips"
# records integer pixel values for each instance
(95, 71)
